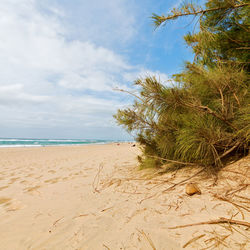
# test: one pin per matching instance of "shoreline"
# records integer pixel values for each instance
(65, 145)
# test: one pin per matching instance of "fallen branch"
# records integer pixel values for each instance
(221, 220)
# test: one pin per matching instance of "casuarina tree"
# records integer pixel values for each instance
(203, 117)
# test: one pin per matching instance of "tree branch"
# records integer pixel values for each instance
(161, 19)
(130, 93)
(228, 151)
(210, 111)
(221, 220)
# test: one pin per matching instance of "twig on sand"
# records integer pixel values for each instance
(238, 190)
(233, 203)
(193, 240)
(57, 221)
(106, 246)
(242, 197)
(80, 215)
(149, 197)
(54, 224)
(146, 236)
(234, 172)
(239, 232)
(97, 179)
(169, 188)
(221, 220)
(217, 239)
(105, 209)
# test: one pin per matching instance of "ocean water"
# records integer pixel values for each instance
(17, 142)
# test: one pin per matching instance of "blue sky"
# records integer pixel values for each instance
(61, 59)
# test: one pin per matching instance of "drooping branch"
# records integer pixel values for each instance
(130, 93)
(159, 20)
(136, 96)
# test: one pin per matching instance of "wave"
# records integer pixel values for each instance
(22, 142)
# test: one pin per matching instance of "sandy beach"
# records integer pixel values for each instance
(94, 197)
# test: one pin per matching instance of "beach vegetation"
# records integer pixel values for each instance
(201, 116)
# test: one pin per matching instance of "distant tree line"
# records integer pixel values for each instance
(203, 118)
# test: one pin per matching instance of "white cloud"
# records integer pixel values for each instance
(14, 95)
(105, 22)
(46, 78)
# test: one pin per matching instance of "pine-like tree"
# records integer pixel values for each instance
(203, 119)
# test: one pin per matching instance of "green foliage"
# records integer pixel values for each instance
(204, 117)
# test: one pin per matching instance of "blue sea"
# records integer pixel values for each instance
(17, 142)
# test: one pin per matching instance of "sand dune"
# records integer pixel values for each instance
(94, 197)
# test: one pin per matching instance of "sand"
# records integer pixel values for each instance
(94, 197)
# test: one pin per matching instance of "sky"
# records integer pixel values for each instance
(61, 60)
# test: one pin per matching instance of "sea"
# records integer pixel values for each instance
(22, 142)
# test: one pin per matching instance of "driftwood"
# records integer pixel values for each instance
(218, 221)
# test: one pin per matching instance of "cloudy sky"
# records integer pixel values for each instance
(61, 59)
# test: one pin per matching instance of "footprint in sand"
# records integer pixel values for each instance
(12, 180)
(14, 205)
(4, 201)
(3, 187)
(24, 182)
(53, 180)
(52, 171)
(32, 189)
